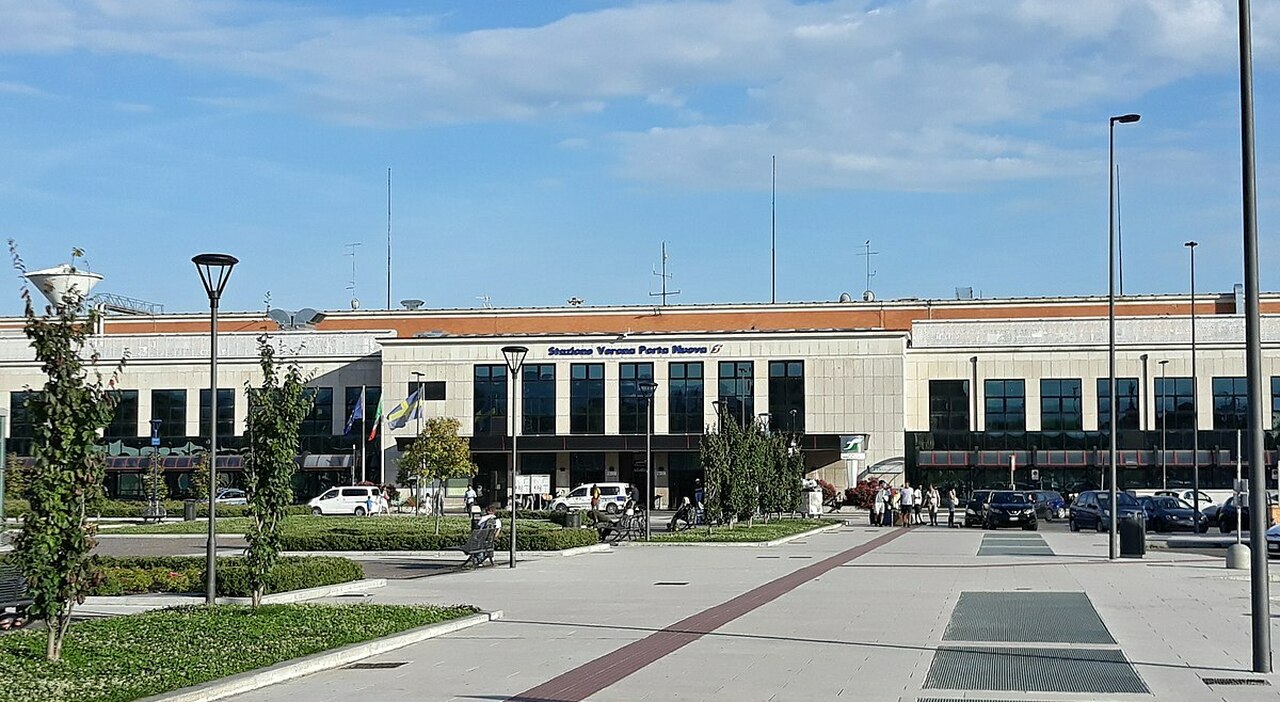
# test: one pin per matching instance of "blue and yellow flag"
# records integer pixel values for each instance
(407, 409)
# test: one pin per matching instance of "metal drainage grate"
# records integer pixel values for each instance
(1015, 551)
(671, 583)
(799, 556)
(1234, 681)
(768, 556)
(1104, 671)
(1011, 535)
(377, 666)
(1031, 617)
(952, 699)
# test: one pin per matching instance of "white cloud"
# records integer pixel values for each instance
(906, 94)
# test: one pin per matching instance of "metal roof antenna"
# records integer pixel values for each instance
(355, 301)
(664, 276)
(867, 294)
(485, 302)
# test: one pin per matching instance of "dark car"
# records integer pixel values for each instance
(1011, 509)
(1092, 509)
(974, 509)
(1165, 513)
(1049, 504)
(1227, 514)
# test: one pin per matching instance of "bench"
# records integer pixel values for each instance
(479, 547)
(614, 529)
(13, 594)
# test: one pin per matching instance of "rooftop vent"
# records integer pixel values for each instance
(965, 293)
(412, 304)
(54, 283)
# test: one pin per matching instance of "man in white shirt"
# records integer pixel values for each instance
(490, 520)
(908, 502)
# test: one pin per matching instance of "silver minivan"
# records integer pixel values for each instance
(357, 499)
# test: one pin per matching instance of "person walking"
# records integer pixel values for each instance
(595, 497)
(906, 504)
(877, 506)
(918, 506)
(889, 497)
(931, 500)
(951, 507)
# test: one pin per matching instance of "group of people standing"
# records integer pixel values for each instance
(910, 506)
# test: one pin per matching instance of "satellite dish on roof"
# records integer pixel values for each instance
(868, 296)
(284, 319)
(54, 283)
(412, 304)
(306, 316)
(846, 297)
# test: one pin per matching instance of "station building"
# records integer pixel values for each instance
(963, 392)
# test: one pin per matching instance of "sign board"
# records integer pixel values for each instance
(533, 484)
(1035, 473)
(853, 447)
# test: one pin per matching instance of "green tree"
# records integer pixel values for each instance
(437, 454)
(15, 477)
(199, 486)
(75, 403)
(276, 411)
(153, 480)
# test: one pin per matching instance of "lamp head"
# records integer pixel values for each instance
(515, 357)
(215, 271)
(647, 388)
(1126, 119)
(1191, 244)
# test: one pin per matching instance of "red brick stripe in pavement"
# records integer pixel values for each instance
(589, 678)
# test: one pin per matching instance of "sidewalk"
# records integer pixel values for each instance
(870, 625)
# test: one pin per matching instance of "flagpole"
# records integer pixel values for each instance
(363, 438)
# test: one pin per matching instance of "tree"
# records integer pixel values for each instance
(437, 454)
(15, 477)
(199, 485)
(153, 482)
(276, 411)
(53, 546)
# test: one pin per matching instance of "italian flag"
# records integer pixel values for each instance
(377, 419)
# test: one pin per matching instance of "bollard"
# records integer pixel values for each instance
(1237, 557)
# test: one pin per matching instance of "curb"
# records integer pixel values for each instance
(450, 555)
(749, 544)
(108, 535)
(316, 662)
(312, 593)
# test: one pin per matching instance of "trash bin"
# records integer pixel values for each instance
(574, 520)
(188, 510)
(1133, 536)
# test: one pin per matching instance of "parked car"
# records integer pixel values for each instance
(1166, 513)
(1092, 508)
(974, 508)
(1049, 504)
(1008, 508)
(1206, 500)
(231, 496)
(1273, 541)
(1227, 514)
(613, 496)
(355, 499)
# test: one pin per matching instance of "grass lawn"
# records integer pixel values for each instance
(758, 532)
(125, 658)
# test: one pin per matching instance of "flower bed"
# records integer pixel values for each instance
(126, 658)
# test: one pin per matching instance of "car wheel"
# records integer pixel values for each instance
(1224, 528)
(1072, 525)
(1099, 526)
(562, 508)
(360, 511)
(1031, 527)
(315, 512)
(611, 508)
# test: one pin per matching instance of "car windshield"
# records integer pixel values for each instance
(1009, 498)
(1172, 503)
(1124, 499)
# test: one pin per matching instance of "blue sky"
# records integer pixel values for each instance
(545, 150)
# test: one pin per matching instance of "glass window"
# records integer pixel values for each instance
(351, 396)
(1175, 403)
(586, 468)
(948, 405)
(786, 396)
(538, 398)
(170, 407)
(226, 412)
(1060, 407)
(1230, 403)
(631, 403)
(124, 418)
(319, 422)
(1006, 405)
(684, 398)
(431, 389)
(737, 391)
(1126, 397)
(1275, 402)
(490, 400)
(586, 398)
(20, 425)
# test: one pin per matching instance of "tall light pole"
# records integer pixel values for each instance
(1259, 587)
(515, 359)
(1164, 466)
(647, 387)
(215, 271)
(1195, 399)
(1111, 313)
(4, 460)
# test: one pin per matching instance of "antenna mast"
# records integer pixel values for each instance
(351, 251)
(388, 237)
(869, 253)
(773, 232)
(664, 276)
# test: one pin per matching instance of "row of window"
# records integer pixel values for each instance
(1061, 406)
(685, 397)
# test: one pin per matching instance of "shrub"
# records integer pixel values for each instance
(298, 573)
(862, 495)
(126, 575)
(397, 534)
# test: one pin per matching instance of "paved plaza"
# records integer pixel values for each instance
(860, 613)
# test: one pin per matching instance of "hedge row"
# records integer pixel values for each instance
(135, 508)
(136, 575)
(340, 537)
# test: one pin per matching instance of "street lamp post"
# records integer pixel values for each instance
(1164, 413)
(4, 460)
(215, 271)
(1195, 400)
(1111, 313)
(515, 359)
(647, 388)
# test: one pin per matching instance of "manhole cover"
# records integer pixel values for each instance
(1234, 681)
(1104, 671)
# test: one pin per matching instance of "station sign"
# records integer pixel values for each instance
(636, 350)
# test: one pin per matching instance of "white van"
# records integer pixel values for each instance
(356, 500)
(612, 498)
